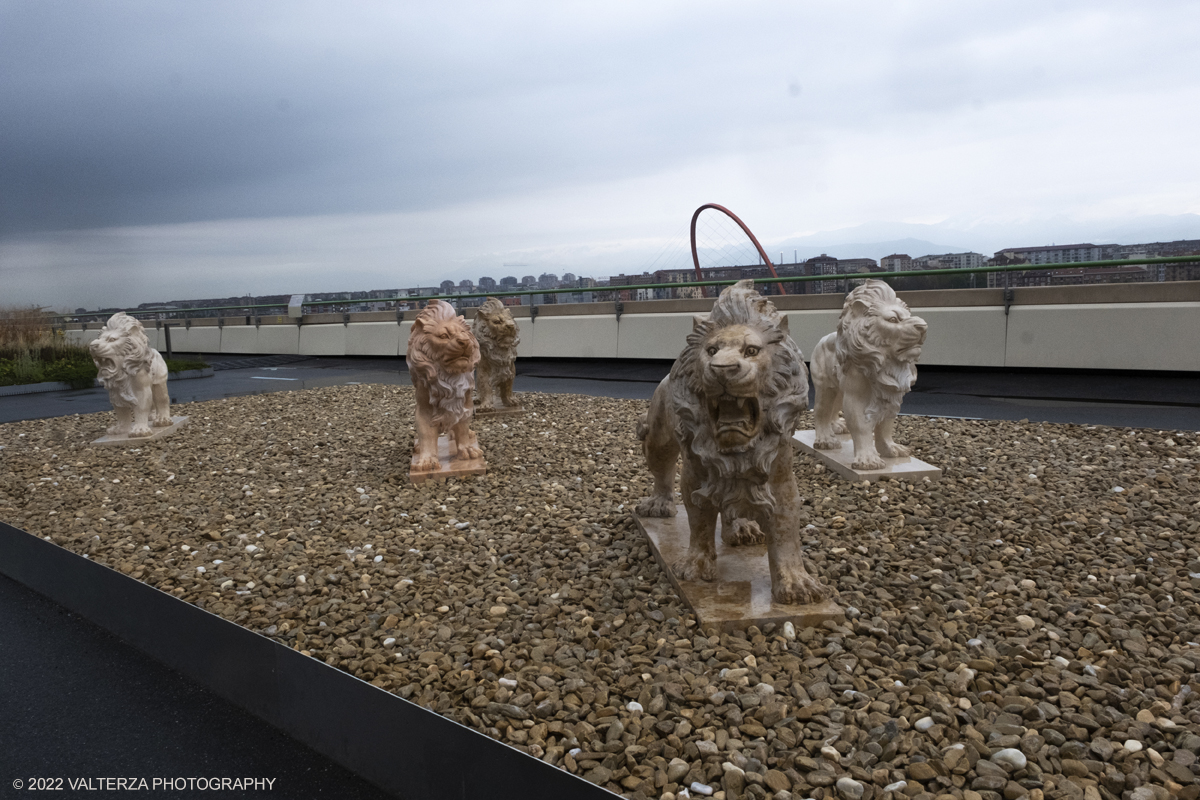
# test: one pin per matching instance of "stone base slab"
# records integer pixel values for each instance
(741, 594)
(503, 411)
(450, 469)
(122, 440)
(904, 468)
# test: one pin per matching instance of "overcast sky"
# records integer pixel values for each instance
(153, 151)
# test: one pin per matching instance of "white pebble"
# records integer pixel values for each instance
(895, 787)
(301, 579)
(849, 788)
(1132, 745)
(974, 642)
(1028, 584)
(1009, 755)
(378, 559)
(215, 560)
(250, 548)
(201, 569)
(226, 584)
(508, 683)
(701, 788)
(924, 723)
(1118, 489)
(789, 631)
(634, 707)
(1026, 622)
(1062, 662)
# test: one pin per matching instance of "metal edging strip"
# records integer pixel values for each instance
(397, 745)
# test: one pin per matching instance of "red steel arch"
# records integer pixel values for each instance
(762, 253)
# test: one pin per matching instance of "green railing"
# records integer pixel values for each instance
(916, 273)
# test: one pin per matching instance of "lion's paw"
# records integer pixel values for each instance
(868, 462)
(839, 426)
(426, 464)
(696, 567)
(161, 422)
(893, 450)
(656, 507)
(742, 532)
(799, 588)
(113, 430)
(139, 430)
(827, 444)
(468, 452)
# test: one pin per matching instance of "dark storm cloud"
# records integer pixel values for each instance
(145, 143)
(132, 113)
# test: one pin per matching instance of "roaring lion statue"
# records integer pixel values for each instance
(730, 406)
(496, 333)
(864, 370)
(442, 355)
(134, 374)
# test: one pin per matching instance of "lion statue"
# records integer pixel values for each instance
(864, 370)
(134, 374)
(496, 333)
(730, 405)
(442, 355)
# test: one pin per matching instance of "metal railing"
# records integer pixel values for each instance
(916, 273)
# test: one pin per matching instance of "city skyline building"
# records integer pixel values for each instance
(607, 289)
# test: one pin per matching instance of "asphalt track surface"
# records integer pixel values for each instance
(75, 702)
(1143, 400)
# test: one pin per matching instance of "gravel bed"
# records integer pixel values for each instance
(1027, 626)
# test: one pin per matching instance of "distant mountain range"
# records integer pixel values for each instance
(878, 239)
(875, 250)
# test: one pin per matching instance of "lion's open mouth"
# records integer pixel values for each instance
(735, 419)
(460, 360)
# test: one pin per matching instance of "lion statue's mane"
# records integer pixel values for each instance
(496, 332)
(740, 478)
(448, 391)
(134, 374)
(864, 370)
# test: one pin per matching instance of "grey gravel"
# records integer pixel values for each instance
(536, 575)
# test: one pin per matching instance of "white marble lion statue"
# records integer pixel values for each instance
(864, 370)
(135, 376)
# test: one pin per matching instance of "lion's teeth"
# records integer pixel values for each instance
(741, 402)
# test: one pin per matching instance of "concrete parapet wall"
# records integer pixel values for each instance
(1150, 336)
(1153, 326)
(323, 340)
(375, 338)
